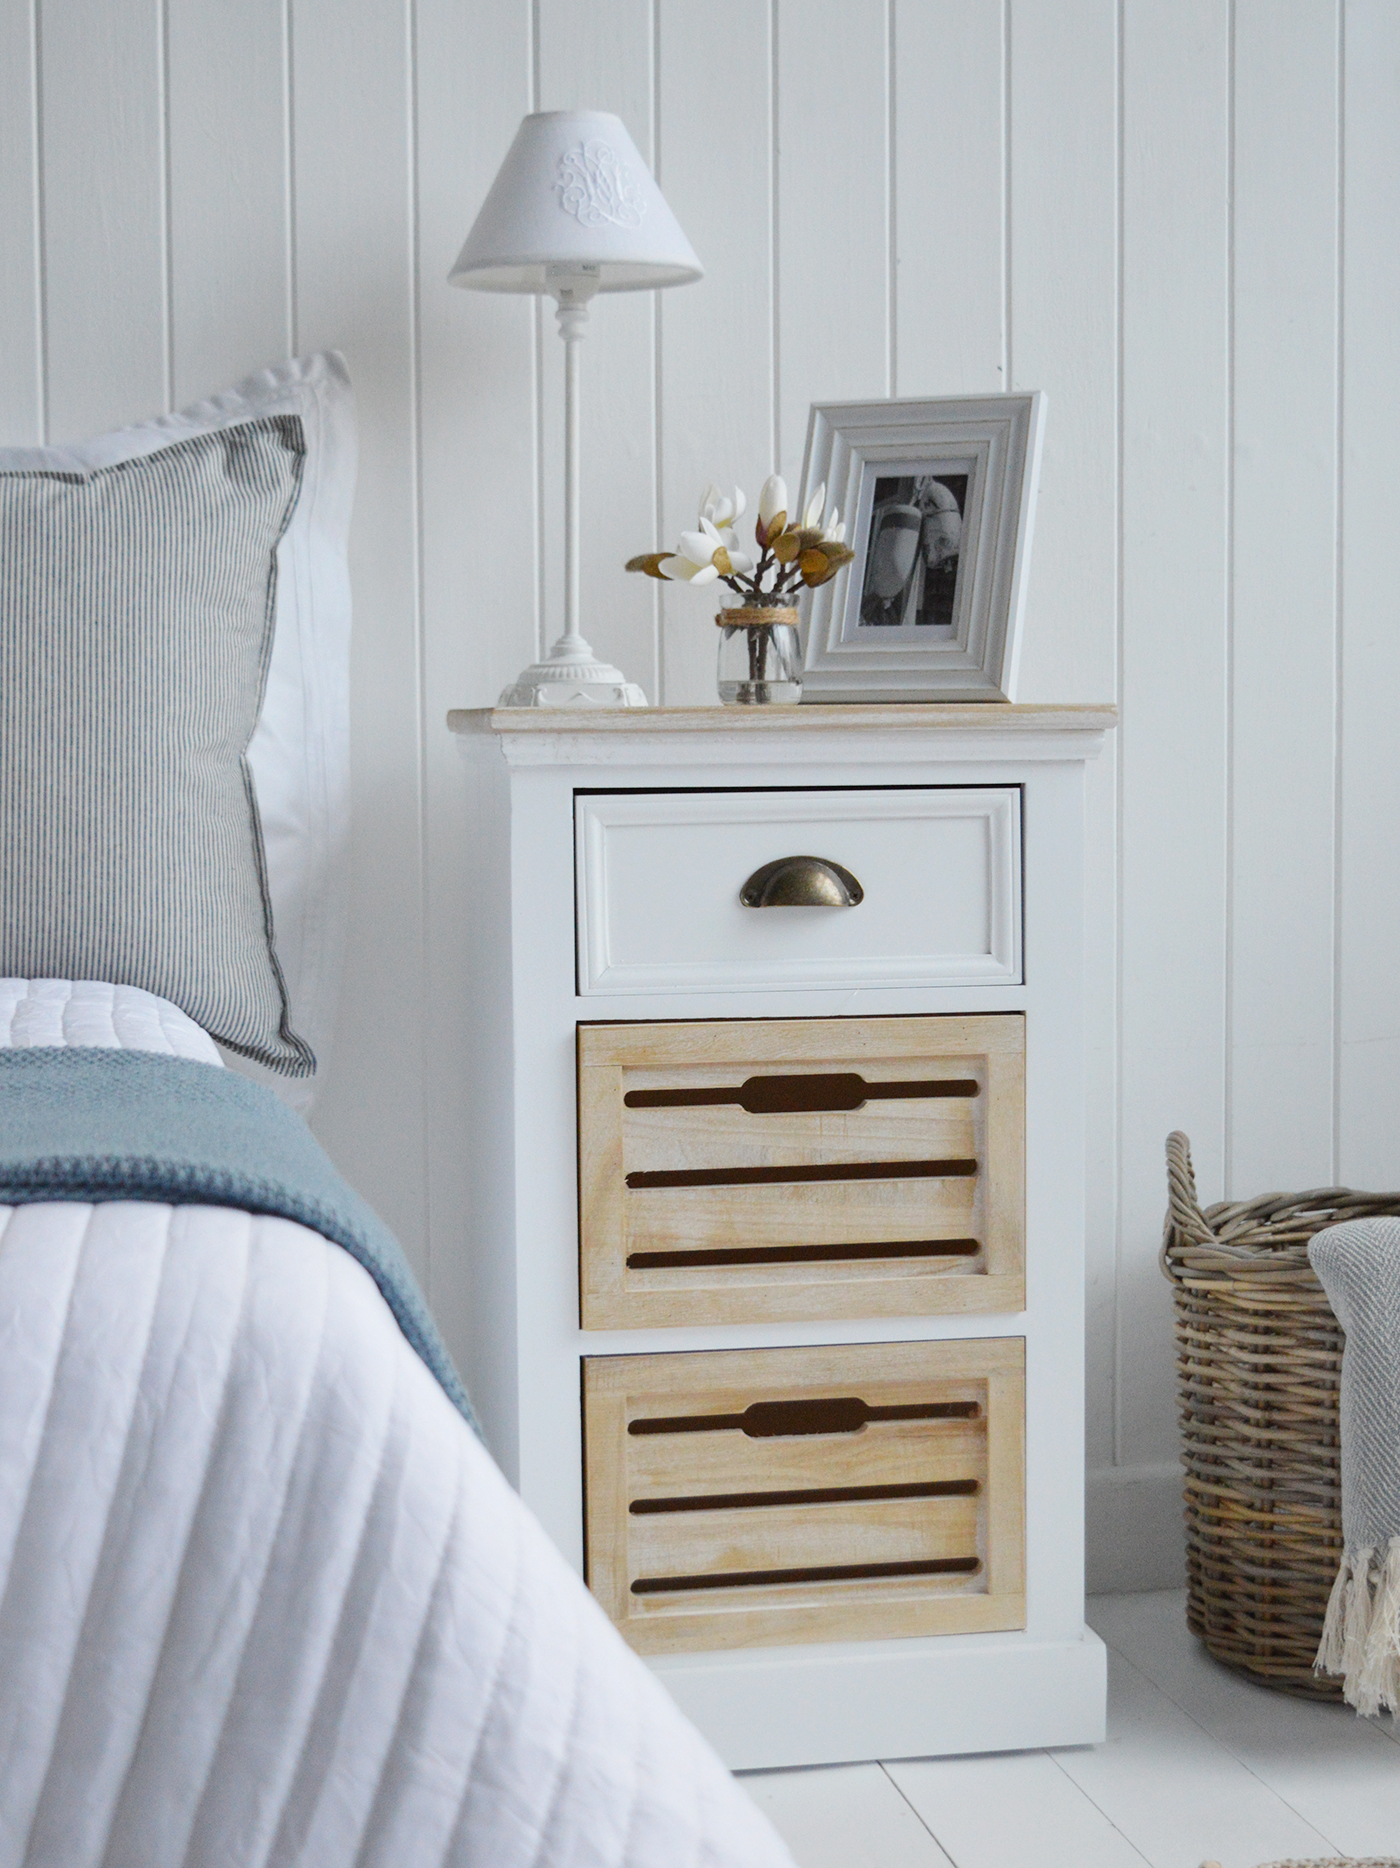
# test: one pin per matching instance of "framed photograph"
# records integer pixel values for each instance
(938, 499)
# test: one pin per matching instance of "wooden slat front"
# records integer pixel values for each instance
(800, 1214)
(785, 1545)
(663, 1465)
(727, 1136)
(964, 1184)
(693, 1543)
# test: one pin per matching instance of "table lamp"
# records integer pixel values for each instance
(573, 211)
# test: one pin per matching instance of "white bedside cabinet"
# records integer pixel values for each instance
(776, 1233)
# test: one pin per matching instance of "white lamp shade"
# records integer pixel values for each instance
(574, 195)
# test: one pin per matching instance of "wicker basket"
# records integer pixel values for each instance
(1259, 1357)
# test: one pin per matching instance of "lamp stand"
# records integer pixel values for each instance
(571, 675)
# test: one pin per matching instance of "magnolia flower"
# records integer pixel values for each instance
(810, 553)
(721, 511)
(815, 530)
(820, 563)
(772, 509)
(703, 556)
(685, 570)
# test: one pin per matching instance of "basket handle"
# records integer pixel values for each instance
(1184, 1215)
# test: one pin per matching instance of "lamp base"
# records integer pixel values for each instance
(571, 676)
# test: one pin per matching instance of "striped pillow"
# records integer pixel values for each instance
(137, 607)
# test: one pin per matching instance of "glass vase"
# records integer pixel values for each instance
(760, 658)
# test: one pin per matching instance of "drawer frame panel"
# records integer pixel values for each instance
(819, 821)
(986, 1210)
(622, 1468)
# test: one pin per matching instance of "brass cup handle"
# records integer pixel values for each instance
(801, 882)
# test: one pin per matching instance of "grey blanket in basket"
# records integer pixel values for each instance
(1358, 1263)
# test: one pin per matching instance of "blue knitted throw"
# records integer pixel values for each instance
(83, 1123)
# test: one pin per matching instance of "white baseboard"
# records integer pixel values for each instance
(1133, 1534)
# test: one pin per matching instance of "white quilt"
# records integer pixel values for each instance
(264, 1599)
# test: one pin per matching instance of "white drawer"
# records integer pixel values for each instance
(659, 876)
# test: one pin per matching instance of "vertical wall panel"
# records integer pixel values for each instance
(102, 131)
(1284, 589)
(717, 363)
(229, 192)
(950, 198)
(355, 290)
(1064, 275)
(477, 372)
(21, 311)
(602, 60)
(1176, 183)
(479, 535)
(1064, 339)
(834, 292)
(1370, 895)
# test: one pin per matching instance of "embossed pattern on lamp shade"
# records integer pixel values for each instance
(573, 195)
(597, 188)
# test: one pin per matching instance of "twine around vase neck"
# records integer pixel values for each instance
(756, 616)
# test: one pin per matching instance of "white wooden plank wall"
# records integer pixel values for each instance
(1179, 221)
(718, 374)
(1283, 589)
(1061, 218)
(1174, 523)
(1368, 1003)
(22, 414)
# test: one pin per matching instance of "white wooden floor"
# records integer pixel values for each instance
(1199, 1766)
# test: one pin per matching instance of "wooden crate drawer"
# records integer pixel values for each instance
(660, 879)
(747, 1497)
(747, 1170)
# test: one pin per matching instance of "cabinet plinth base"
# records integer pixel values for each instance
(852, 1702)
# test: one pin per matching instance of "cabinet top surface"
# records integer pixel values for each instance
(990, 717)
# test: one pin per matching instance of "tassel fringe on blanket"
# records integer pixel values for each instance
(1358, 1263)
(1361, 1635)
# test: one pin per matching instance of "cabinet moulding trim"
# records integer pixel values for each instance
(784, 736)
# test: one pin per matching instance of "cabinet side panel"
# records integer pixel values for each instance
(474, 1274)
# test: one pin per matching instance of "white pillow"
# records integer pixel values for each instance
(300, 751)
(89, 1012)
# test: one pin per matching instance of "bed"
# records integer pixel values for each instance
(264, 1597)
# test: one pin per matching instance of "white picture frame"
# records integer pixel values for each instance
(939, 501)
